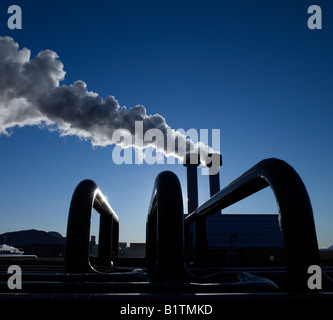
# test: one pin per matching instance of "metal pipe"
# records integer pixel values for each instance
(214, 162)
(87, 196)
(296, 216)
(165, 228)
(191, 162)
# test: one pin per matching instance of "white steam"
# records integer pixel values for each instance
(30, 94)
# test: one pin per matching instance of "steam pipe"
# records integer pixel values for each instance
(191, 162)
(87, 196)
(214, 161)
(165, 229)
(296, 216)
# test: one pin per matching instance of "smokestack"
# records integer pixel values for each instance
(214, 161)
(191, 162)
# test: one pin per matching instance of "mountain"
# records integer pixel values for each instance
(31, 237)
(55, 234)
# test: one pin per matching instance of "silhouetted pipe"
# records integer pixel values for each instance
(87, 196)
(191, 162)
(214, 160)
(165, 229)
(296, 217)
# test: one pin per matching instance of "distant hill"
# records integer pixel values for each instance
(31, 237)
(55, 234)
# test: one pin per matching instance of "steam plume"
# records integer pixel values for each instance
(31, 94)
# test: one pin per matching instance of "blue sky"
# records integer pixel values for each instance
(252, 69)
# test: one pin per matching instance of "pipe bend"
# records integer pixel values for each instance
(87, 196)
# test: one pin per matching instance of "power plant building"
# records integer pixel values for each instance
(244, 231)
(243, 240)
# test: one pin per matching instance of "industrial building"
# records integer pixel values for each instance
(243, 240)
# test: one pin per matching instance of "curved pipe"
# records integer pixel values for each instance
(296, 217)
(87, 196)
(165, 241)
(165, 228)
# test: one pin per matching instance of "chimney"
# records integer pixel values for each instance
(191, 162)
(214, 162)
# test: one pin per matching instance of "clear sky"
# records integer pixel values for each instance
(252, 69)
